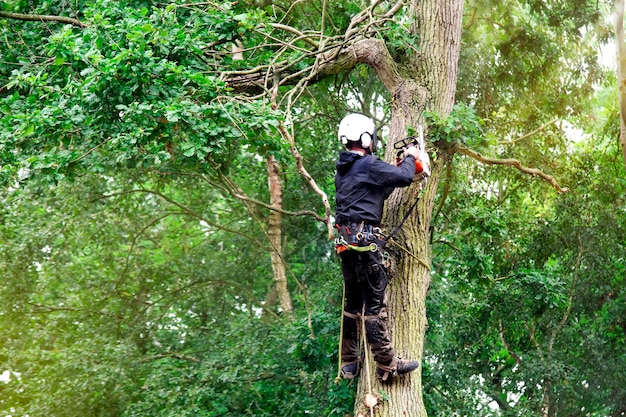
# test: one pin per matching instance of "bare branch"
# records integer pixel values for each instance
(122, 276)
(529, 134)
(232, 287)
(512, 162)
(570, 299)
(296, 32)
(186, 210)
(395, 9)
(43, 18)
(45, 309)
(279, 210)
(332, 55)
(48, 309)
(303, 171)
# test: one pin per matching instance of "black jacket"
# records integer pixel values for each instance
(363, 183)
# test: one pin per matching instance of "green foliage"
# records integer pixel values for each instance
(125, 306)
(131, 89)
(246, 367)
(524, 64)
(399, 39)
(462, 126)
(524, 288)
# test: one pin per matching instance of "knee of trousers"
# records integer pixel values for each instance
(377, 330)
(350, 328)
(349, 350)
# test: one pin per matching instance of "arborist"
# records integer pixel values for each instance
(363, 182)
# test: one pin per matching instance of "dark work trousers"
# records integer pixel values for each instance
(365, 280)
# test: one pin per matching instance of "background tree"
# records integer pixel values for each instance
(621, 65)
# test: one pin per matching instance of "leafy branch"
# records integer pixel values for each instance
(43, 18)
(463, 127)
(305, 174)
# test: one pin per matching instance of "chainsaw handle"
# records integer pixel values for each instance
(405, 143)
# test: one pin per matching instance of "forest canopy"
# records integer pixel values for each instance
(167, 190)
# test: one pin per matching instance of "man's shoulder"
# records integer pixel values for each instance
(376, 161)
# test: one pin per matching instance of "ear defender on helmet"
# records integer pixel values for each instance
(374, 139)
(358, 128)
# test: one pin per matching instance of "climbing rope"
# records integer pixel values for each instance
(343, 305)
(412, 255)
(370, 399)
(370, 404)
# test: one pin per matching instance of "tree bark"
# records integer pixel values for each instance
(427, 83)
(275, 235)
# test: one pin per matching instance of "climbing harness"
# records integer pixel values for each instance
(359, 237)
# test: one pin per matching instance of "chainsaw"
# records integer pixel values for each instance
(418, 142)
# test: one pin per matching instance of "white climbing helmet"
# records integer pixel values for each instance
(358, 128)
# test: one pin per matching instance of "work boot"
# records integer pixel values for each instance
(350, 370)
(350, 361)
(396, 367)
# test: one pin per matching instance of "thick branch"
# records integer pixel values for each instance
(43, 18)
(512, 162)
(332, 55)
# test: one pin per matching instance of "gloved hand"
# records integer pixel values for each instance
(413, 151)
(422, 161)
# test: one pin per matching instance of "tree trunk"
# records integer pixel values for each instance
(621, 72)
(275, 235)
(428, 83)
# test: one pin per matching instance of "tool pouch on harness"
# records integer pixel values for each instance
(358, 236)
